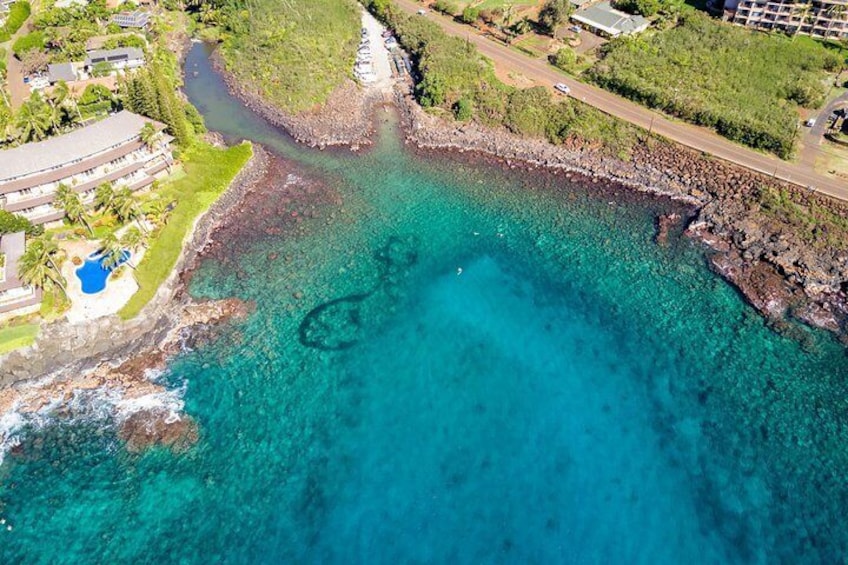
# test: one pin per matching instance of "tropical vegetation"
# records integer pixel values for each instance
(748, 86)
(293, 54)
(18, 14)
(456, 79)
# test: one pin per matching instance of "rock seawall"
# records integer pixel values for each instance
(71, 350)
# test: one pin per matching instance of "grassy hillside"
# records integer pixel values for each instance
(295, 52)
(748, 86)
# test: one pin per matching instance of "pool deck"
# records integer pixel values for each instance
(118, 291)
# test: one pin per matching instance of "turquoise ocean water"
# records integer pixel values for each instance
(450, 362)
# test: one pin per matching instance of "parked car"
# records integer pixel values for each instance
(422, 11)
(563, 88)
(575, 29)
(810, 123)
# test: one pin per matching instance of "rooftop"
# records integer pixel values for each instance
(604, 17)
(139, 18)
(74, 146)
(114, 55)
(61, 71)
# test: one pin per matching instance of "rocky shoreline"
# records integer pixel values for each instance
(345, 120)
(116, 358)
(761, 254)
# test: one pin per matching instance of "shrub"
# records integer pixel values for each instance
(446, 7)
(463, 110)
(30, 42)
(564, 59)
(712, 74)
(646, 8)
(457, 79)
(13, 223)
(18, 14)
(470, 15)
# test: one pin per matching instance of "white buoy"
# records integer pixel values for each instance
(459, 271)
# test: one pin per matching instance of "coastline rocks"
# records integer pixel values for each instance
(346, 119)
(766, 259)
(147, 413)
(158, 427)
(664, 224)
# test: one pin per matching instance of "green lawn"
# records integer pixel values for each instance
(209, 171)
(295, 52)
(15, 337)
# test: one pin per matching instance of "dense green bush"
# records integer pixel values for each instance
(747, 86)
(564, 59)
(455, 78)
(13, 223)
(463, 109)
(18, 14)
(446, 7)
(30, 42)
(646, 8)
(470, 15)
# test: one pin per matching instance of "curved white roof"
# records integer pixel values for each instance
(64, 149)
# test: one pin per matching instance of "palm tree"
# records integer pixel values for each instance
(40, 265)
(149, 136)
(835, 12)
(111, 251)
(103, 196)
(34, 119)
(152, 138)
(72, 204)
(132, 240)
(125, 205)
(157, 211)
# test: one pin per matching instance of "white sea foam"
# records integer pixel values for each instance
(106, 405)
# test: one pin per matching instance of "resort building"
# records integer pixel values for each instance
(817, 18)
(109, 150)
(604, 20)
(16, 298)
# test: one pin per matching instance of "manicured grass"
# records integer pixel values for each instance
(747, 85)
(295, 53)
(209, 171)
(15, 337)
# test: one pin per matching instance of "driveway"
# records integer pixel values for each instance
(813, 138)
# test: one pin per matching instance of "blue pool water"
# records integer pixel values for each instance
(93, 274)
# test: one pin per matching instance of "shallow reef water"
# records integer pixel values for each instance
(454, 362)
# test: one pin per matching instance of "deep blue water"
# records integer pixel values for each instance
(451, 362)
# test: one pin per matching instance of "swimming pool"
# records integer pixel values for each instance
(92, 274)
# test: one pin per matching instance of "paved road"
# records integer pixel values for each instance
(695, 137)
